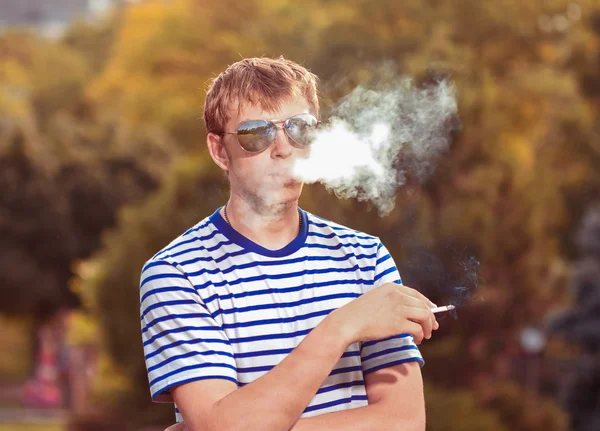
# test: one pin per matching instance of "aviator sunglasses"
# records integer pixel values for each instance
(257, 135)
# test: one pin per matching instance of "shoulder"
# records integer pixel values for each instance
(193, 244)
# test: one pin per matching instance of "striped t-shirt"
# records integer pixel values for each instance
(216, 305)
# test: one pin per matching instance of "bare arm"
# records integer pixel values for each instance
(396, 402)
(275, 401)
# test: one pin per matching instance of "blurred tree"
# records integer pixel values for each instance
(164, 55)
(508, 195)
(93, 40)
(581, 325)
(193, 190)
(451, 410)
(38, 77)
(53, 211)
(63, 174)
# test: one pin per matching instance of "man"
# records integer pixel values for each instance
(264, 316)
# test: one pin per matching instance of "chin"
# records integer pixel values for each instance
(286, 195)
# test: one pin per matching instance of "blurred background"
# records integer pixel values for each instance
(103, 162)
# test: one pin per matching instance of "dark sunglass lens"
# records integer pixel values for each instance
(301, 129)
(256, 135)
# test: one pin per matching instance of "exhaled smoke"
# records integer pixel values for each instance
(355, 154)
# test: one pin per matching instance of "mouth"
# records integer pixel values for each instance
(286, 176)
(287, 180)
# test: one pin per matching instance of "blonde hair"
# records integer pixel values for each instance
(265, 82)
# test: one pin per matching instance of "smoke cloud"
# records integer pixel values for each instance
(356, 153)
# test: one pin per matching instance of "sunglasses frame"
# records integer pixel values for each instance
(275, 124)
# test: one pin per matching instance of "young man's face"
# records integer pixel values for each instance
(264, 179)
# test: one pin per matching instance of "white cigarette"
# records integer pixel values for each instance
(444, 308)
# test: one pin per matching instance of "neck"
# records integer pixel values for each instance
(272, 228)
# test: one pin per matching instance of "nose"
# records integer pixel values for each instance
(281, 148)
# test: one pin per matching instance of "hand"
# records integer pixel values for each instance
(178, 427)
(385, 311)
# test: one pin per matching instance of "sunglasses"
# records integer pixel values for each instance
(257, 135)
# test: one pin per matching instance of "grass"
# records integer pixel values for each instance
(15, 359)
(32, 427)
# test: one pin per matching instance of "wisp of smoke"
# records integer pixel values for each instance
(450, 274)
(467, 282)
(354, 153)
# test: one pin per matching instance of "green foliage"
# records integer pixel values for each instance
(579, 325)
(92, 41)
(524, 409)
(15, 337)
(60, 190)
(63, 171)
(37, 77)
(458, 410)
(109, 284)
(508, 408)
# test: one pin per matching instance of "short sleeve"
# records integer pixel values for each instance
(182, 341)
(395, 350)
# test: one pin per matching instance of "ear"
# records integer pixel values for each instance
(217, 150)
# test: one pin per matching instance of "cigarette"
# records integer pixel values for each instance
(444, 308)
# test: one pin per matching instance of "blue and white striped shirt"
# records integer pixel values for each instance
(216, 305)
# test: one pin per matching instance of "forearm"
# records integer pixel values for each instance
(274, 401)
(373, 417)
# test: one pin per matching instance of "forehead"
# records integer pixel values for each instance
(289, 107)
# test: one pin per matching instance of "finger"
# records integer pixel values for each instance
(412, 298)
(418, 303)
(421, 317)
(415, 294)
(432, 317)
(434, 324)
(413, 301)
(415, 330)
